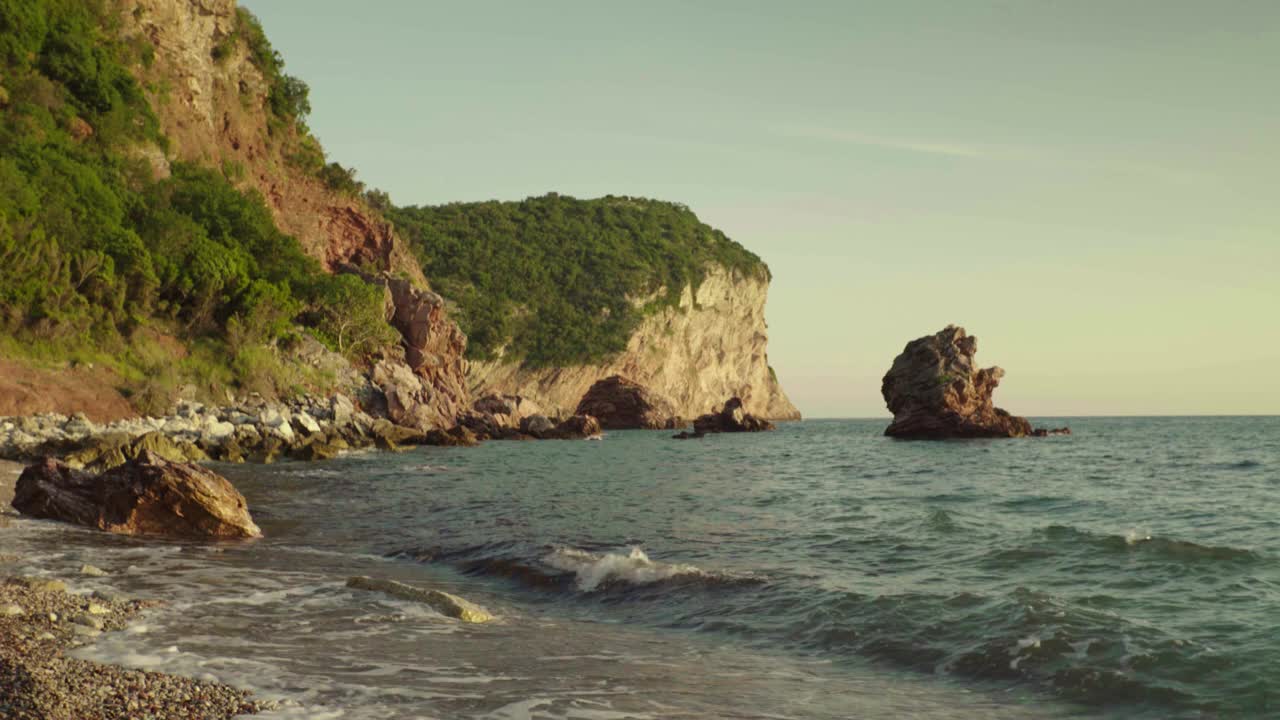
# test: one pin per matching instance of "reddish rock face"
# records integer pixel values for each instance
(146, 496)
(429, 389)
(621, 404)
(934, 391)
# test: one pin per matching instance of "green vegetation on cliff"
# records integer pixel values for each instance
(554, 280)
(94, 248)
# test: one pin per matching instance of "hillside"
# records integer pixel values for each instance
(170, 226)
(554, 280)
(165, 214)
(556, 292)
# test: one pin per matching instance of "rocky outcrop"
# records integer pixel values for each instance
(712, 345)
(428, 388)
(145, 496)
(506, 410)
(935, 392)
(730, 418)
(621, 404)
(575, 427)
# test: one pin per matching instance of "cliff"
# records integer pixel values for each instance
(710, 347)
(212, 102)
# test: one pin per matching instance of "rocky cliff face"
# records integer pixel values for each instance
(210, 98)
(711, 347)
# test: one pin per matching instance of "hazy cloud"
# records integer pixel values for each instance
(853, 137)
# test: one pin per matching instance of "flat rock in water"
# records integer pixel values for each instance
(442, 602)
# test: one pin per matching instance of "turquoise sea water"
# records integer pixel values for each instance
(822, 571)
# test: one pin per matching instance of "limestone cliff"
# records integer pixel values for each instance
(711, 347)
(210, 99)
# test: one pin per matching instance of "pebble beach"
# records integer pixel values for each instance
(42, 619)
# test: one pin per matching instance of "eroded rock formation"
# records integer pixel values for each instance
(935, 392)
(730, 418)
(622, 404)
(145, 496)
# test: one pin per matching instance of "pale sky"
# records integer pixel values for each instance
(1092, 188)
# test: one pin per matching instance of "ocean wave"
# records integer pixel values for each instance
(1142, 541)
(1058, 542)
(1082, 653)
(594, 571)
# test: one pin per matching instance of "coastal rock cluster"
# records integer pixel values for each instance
(935, 391)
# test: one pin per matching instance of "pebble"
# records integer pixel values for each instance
(92, 571)
(12, 610)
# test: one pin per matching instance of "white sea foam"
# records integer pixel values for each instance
(1135, 536)
(635, 567)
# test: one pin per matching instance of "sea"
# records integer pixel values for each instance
(1129, 570)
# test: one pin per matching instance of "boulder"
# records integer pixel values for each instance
(388, 435)
(730, 418)
(537, 426)
(304, 423)
(460, 436)
(146, 496)
(935, 391)
(577, 427)
(506, 410)
(442, 602)
(622, 404)
(341, 408)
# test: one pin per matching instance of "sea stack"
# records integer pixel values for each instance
(935, 392)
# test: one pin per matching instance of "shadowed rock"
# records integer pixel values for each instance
(935, 392)
(145, 496)
(731, 418)
(622, 404)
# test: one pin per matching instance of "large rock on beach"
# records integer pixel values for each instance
(935, 391)
(622, 404)
(145, 496)
(730, 418)
(442, 602)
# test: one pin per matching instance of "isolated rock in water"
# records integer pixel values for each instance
(730, 418)
(621, 404)
(145, 496)
(935, 392)
(578, 426)
(442, 602)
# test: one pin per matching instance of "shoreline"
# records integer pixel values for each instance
(41, 619)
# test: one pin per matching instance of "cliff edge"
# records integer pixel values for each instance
(712, 345)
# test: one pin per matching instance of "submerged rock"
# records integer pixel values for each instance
(442, 602)
(622, 404)
(730, 418)
(146, 496)
(935, 392)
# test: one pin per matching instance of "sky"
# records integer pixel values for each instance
(1092, 188)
